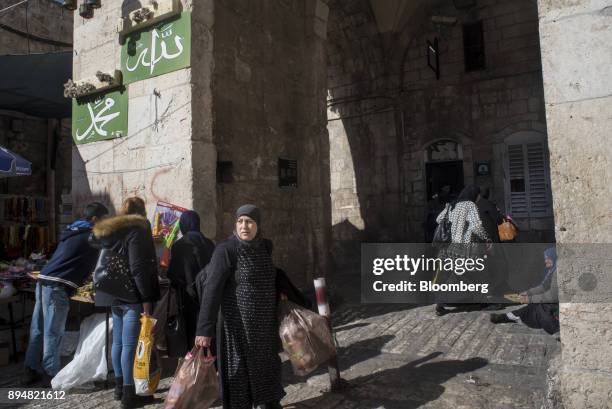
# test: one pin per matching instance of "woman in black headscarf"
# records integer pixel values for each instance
(188, 256)
(241, 280)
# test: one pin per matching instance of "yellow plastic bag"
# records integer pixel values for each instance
(147, 368)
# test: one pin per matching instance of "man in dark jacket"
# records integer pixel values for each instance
(489, 214)
(496, 267)
(73, 261)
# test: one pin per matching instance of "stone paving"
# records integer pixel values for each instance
(404, 357)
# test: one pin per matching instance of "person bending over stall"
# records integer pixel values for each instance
(71, 264)
(542, 311)
(241, 280)
(127, 240)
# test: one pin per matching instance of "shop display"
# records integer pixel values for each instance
(165, 218)
(85, 293)
(22, 272)
(165, 227)
(24, 209)
(23, 228)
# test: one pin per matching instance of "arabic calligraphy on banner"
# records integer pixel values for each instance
(100, 117)
(160, 49)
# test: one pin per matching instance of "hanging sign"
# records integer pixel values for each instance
(99, 117)
(159, 49)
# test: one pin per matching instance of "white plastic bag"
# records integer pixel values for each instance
(69, 344)
(89, 363)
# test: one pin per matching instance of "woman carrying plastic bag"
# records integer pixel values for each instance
(306, 337)
(195, 385)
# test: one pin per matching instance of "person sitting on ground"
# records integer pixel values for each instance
(542, 311)
(70, 266)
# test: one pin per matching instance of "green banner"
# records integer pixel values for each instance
(100, 117)
(160, 49)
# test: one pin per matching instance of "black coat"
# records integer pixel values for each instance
(130, 236)
(240, 296)
(491, 217)
(188, 256)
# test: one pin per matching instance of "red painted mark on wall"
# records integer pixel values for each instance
(158, 173)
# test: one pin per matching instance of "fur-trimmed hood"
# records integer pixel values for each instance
(114, 225)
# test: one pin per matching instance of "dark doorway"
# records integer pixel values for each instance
(440, 174)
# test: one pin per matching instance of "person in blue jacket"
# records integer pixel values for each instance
(72, 263)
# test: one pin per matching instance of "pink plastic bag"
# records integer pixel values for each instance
(195, 385)
(306, 337)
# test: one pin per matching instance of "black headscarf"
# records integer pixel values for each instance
(189, 222)
(251, 211)
(469, 193)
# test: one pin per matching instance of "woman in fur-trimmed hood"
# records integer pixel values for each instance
(128, 252)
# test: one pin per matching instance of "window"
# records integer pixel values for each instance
(527, 180)
(225, 172)
(473, 47)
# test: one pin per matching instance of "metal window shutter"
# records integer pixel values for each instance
(519, 205)
(539, 203)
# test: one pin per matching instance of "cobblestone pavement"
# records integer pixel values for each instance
(404, 357)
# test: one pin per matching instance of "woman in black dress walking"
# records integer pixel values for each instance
(241, 281)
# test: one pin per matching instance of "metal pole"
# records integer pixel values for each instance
(336, 382)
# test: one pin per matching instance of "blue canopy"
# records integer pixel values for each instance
(12, 164)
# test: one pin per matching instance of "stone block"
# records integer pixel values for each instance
(565, 54)
(585, 389)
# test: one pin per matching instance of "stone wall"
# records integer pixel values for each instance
(45, 20)
(269, 93)
(154, 161)
(478, 109)
(392, 107)
(361, 124)
(576, 39)
(23, 134)
(255, 92)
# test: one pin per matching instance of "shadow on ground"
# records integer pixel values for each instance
(409, 386)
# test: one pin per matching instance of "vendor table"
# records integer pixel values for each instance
(31, 291)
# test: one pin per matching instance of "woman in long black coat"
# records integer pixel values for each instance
(241, 281)
(189, 255)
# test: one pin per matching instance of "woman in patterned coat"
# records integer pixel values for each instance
(241, 282)
(466, 225)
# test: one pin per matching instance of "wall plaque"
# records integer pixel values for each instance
(158, 49)
(482, 168)
(100, 116)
